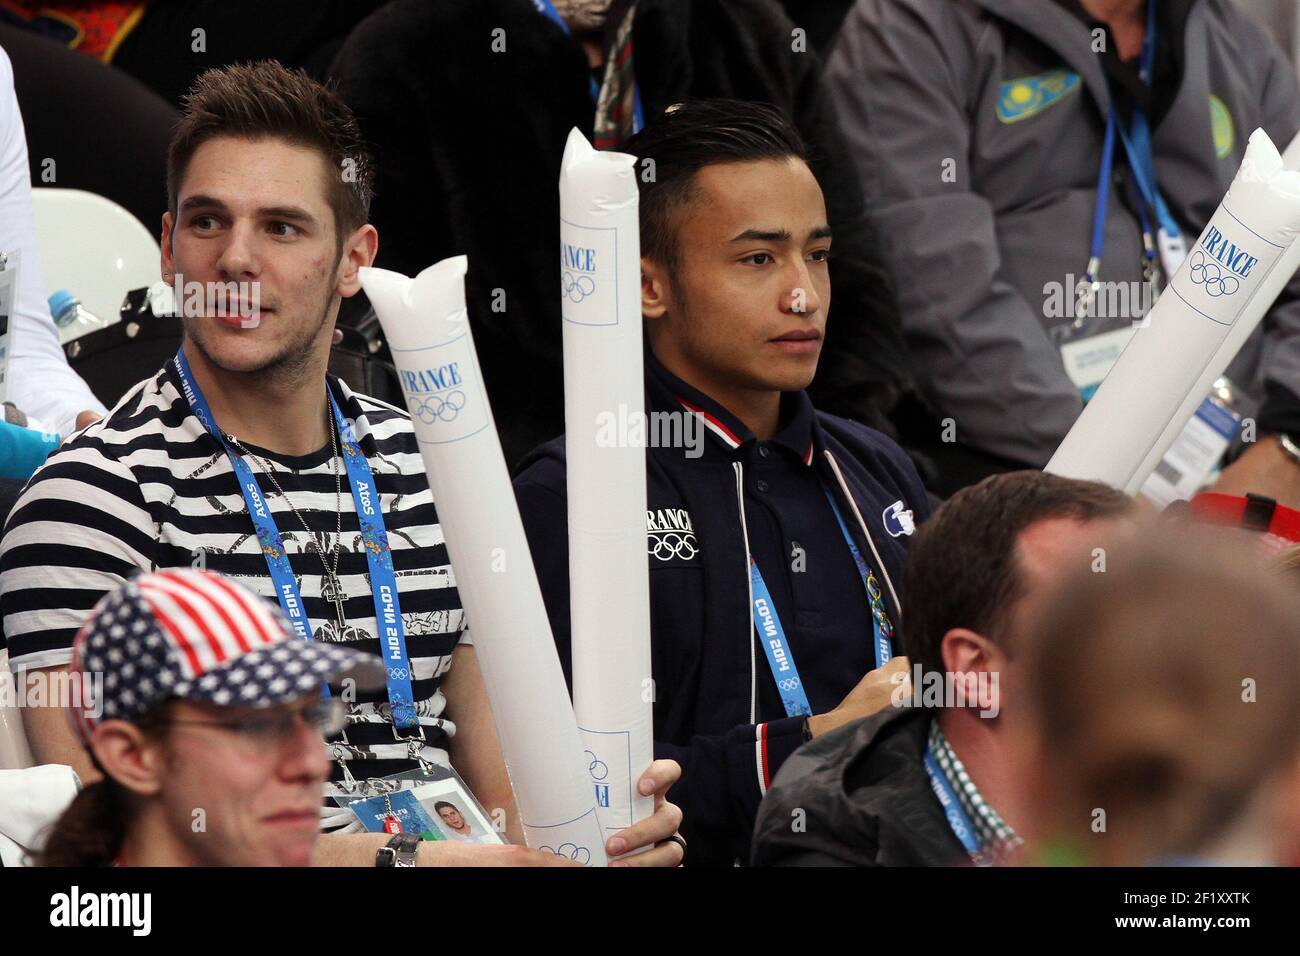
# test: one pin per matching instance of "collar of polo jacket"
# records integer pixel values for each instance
(727, 432)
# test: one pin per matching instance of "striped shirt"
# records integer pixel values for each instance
(149, 488)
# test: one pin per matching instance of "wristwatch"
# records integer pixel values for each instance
(399, 851)
(1289, 446)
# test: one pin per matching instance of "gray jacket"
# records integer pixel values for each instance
(922, 87)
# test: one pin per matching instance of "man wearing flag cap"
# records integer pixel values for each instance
(206, 720)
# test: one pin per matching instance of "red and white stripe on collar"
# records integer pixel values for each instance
(712, 423)
(726, 434)
(760, 759)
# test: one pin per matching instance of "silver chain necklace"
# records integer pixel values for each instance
(333, 589)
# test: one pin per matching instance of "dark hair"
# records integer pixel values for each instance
(443, 803)
(688, 137)
(267, 100)
(90, 832)
(961, 568)
(1166, 691)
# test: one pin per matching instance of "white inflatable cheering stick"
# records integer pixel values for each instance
(428, 329)
(604, 386)
(1230, 278)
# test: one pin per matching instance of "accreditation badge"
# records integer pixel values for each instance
(1192, 460)
(1088, 360)
(436, 805)
(1173, 250)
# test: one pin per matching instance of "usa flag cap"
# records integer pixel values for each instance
(198, 636)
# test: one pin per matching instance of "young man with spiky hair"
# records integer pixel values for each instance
(772, 554)
(243, 456)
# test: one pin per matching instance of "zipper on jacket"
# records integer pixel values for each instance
(749, 584)
(844, 488)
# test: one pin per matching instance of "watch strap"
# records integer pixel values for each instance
(399, 851)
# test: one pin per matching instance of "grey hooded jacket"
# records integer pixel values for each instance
(985, 196)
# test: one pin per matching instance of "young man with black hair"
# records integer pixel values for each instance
(243, 456)
(774, 542)
(867, 794)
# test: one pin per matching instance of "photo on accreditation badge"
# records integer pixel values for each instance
(456, 813)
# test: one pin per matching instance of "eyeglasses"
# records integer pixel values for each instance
(261, 732)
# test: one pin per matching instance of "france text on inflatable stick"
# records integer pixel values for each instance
(428, 329)
(1232, 344)
(609, 587)
(1227, 278)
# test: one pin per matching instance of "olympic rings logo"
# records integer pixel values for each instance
(790, 683)
(597, 767)
(576, 288)
(666, 545)
(398, 673)
(433, 408)
(579, 854)
(1210, 275)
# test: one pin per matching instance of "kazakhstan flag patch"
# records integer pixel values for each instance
(1030, 95)
(1221, 127)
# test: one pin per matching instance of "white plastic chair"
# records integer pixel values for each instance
(92, 247)
(14, 752)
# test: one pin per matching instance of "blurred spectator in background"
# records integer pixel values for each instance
(927, 781)
(89, 126)
(820, 18)
(979, 128)
(166, 45)
(1161, 714)
(194, 692)
(469, 103)
(42, 390)
(107, 127)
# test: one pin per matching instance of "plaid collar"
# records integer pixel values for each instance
(995, 834)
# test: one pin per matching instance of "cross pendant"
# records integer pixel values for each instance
(333, 592)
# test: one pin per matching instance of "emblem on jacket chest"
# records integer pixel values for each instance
(669, 534)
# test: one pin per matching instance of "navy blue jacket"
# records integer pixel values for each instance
(717, 709)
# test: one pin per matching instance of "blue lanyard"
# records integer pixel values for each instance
(388, 613)
(1104, 177)
(780, 657)
(882, 629)
(1141, 160)
(961, 825)
(547, 9)
(1137, 142)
